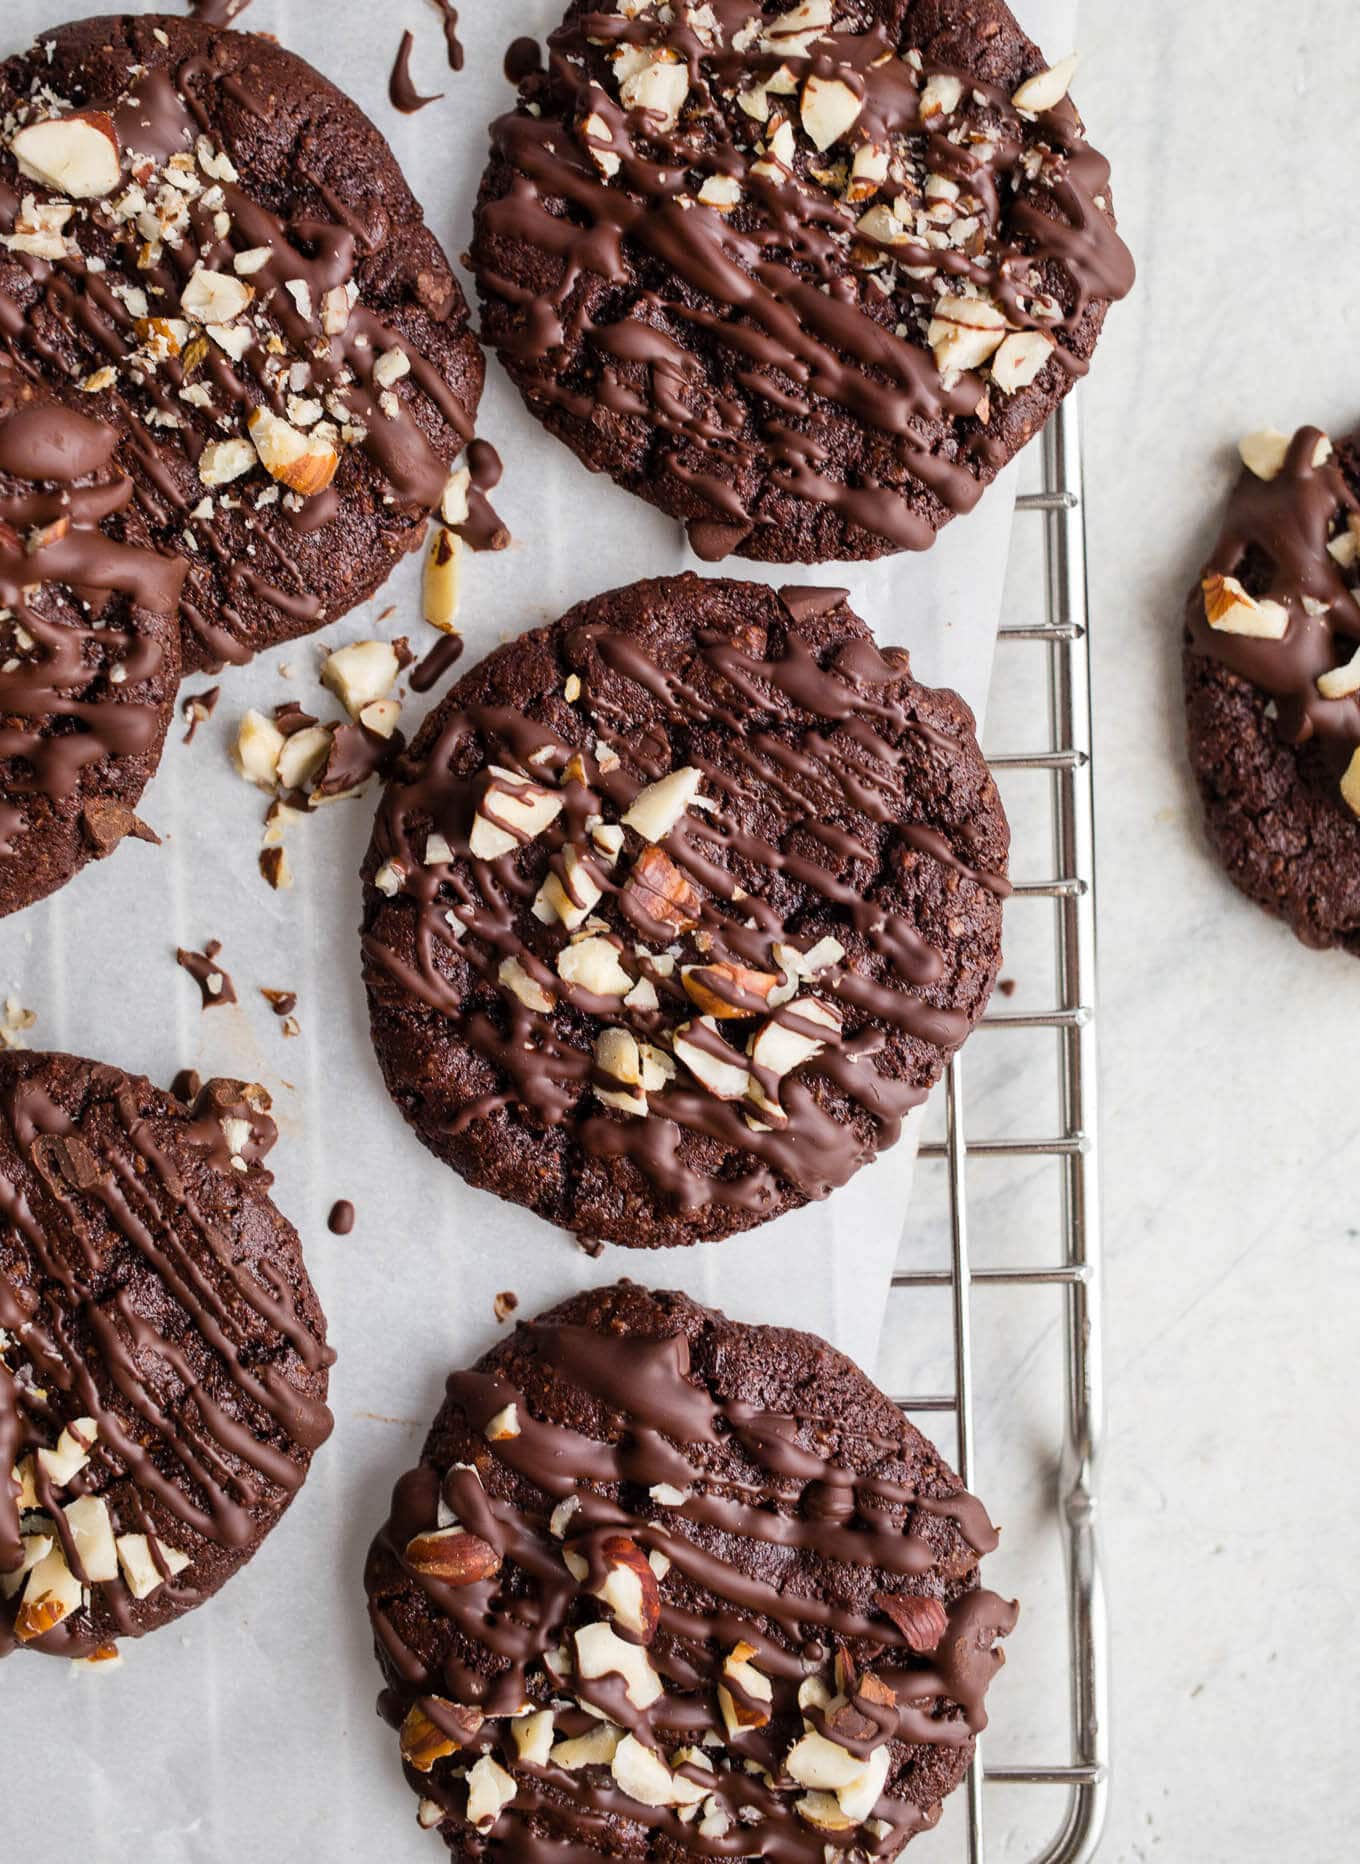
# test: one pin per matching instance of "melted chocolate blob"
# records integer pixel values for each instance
(636, 1469)
(792, 955)
(1272, 676)
(162, 1355)
(213, 982)
(721, 252)
(1278, 541)
(341, 1219)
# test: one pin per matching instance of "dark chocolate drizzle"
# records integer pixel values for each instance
(1275, 542)
(191, 1475)
(77, 665)
(453, 46)
(217, 12)
(851, 1529)
(401, 89)
(783, 284)
(822, 735)
(245, 530)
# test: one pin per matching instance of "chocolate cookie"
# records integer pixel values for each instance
(219, 248)
(163, 1357)
(661, 1584)
(676, 908)
(89, 645)
(1272, 682)
(805, 278)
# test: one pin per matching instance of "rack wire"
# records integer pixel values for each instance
(1074, 1276)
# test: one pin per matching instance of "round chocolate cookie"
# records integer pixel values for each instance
(1272, 682)
(89, 645)
(807, 277)
(163, 1357)
(219, 248)
(664, 1586)
(676, 907)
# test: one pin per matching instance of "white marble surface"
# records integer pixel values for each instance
(1231, 1139)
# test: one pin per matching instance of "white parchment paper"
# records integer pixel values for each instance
(250, 1733)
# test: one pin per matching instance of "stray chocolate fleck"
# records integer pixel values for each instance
(289, 717)
(505, 1304)
(341, 1220)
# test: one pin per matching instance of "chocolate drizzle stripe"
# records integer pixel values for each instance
(83, 673)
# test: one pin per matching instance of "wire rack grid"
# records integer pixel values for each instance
(1074, 1275)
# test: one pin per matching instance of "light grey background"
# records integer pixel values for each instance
(1232, 1130)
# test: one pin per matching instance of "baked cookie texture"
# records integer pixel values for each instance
(163, 1357)
(661, 1583)
(676, 908)
(1272, 684)
(804, 277)
(219, 249)
(89, 644)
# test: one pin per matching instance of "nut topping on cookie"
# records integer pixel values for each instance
(858, 194)
(709, 1697)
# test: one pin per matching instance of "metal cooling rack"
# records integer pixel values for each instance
(1073, 1275)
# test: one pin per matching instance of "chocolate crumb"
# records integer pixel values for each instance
(341, 1219)
(505, 1304)
(1006, 986)
(107, 823)
(282, 1002)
